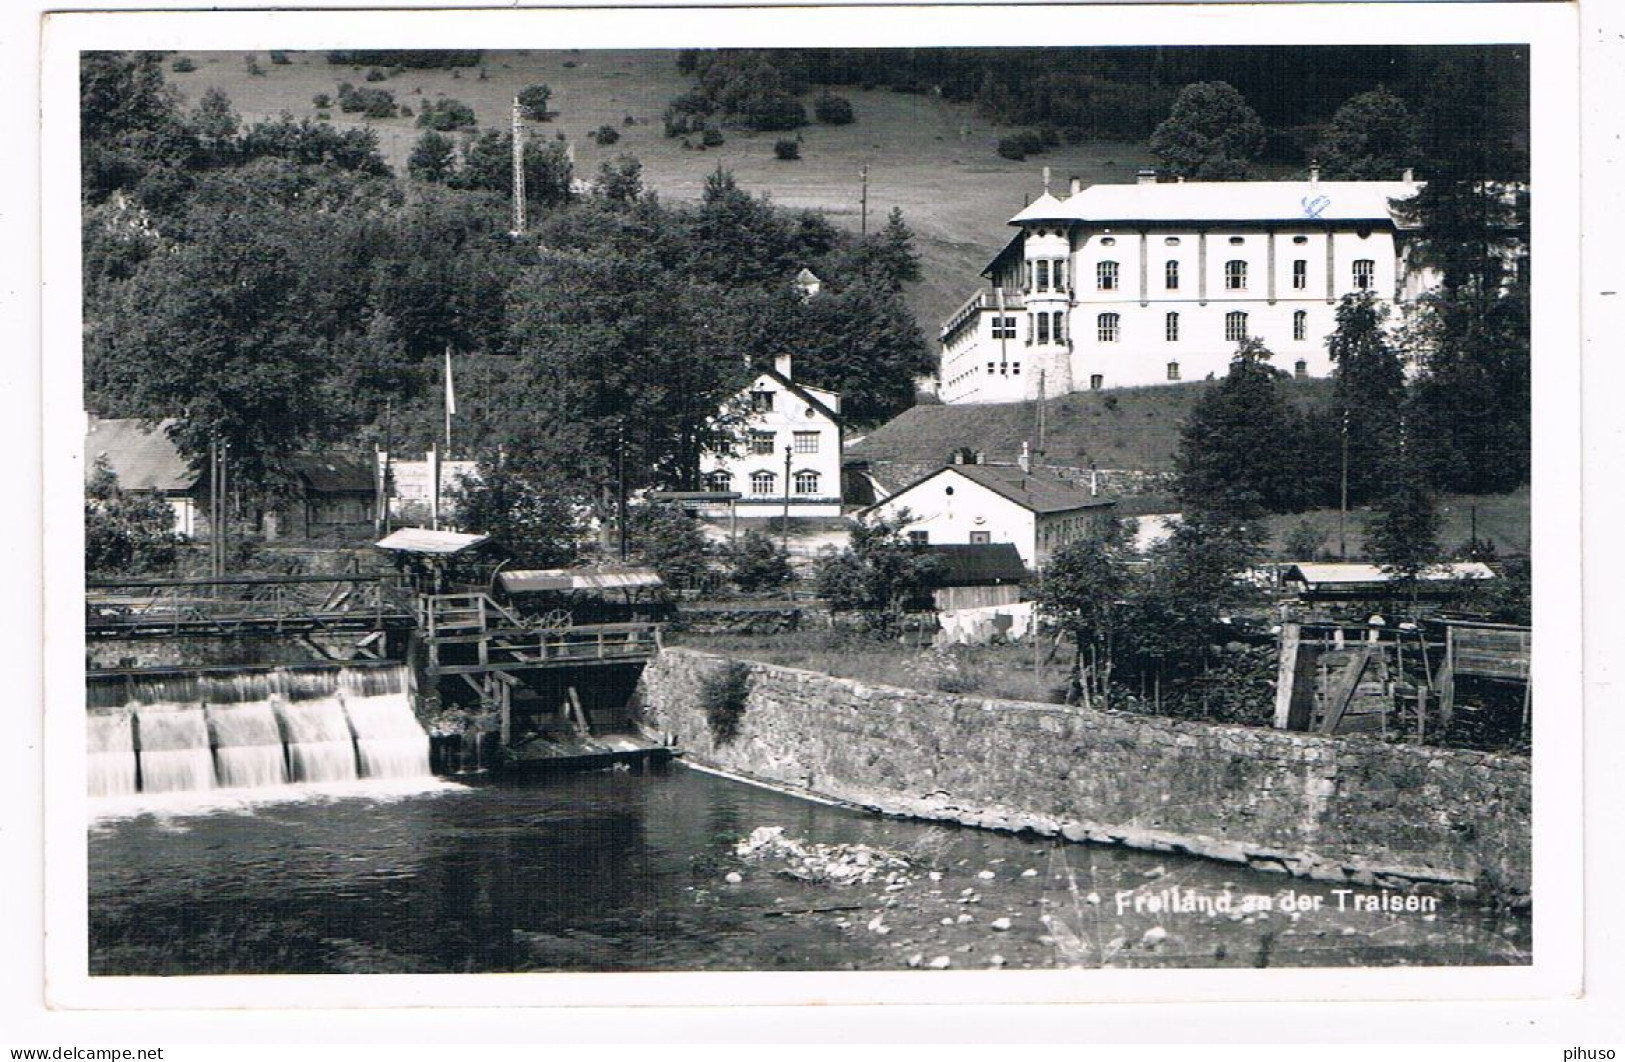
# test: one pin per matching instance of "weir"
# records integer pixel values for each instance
(190, 732)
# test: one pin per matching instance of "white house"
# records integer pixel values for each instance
(1037, 512)
(1134, 284)
(790, 449)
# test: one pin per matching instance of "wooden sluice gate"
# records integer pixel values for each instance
(1340, 679)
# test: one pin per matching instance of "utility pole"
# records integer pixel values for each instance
(784, 526)
(620, 478)
(518, 171)
(863, 223)
(1343, 500)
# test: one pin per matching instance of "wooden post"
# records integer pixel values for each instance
(1286, 673)
(1447, 678)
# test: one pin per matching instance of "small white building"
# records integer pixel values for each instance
(1037, 512)
(790, 449)
(1122, 285)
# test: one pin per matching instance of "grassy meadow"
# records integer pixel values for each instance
(935, 160)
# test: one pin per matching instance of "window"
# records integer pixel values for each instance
(1015, 368)
(1096, 382)
(761, 443)
(919, 538)
(1301, 369)
(1059, 273)
(1235, 275)
(1300, 273)
(1170, 328)
(806, 442)
(1365, 273)
(762, 482)
(1060, 336)
(1004, 328)
(806, 482)
(1300, 324)
(1043, 328)
(1236, 241)
(1173, 370)
(1300, 240)
(1171, 241)
(1029, 282)
(1106, 328)
(761, 401)
(719, 481)
(1106, 276)
(981, 538)
(992, 367)
(1108, 241)
(1042, 265)
(1235, 326)
(1170, 276)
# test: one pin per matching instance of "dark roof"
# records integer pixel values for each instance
(1039, 492)
(982, 564)
(333, 475)
(142, 458)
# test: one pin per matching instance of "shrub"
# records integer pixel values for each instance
(183, 65)
(252, 62)
(759, 563)
(445, 114)
(723, 695)
(773, 111)
(606, 135)
(322, 101)
(1018, 146)
(786, 150)
(376, 74)
(280, 59)
(711, 138)
(533, 103)
(374, 103)
(833, 110)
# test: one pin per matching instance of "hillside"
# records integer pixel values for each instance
(1129, 428)
(936, 160)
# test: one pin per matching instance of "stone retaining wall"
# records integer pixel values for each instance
(1340, 809)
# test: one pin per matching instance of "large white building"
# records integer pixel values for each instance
(789, 453)
(1130, 284)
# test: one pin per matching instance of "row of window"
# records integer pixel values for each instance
(1044, 273)
(1108, 326)
(763, 482)
(764, 443)
(1107, 277)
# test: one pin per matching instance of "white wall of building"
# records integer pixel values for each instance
(950, 509)
(755, 467)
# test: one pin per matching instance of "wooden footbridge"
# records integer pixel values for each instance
(246, 605)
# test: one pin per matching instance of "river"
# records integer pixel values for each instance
(612, 871)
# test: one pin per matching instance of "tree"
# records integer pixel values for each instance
(125, 533)
(786, 150)
(1211, 134)
(444, 114)
(1083, 590)
(670, 541)
(488, 166)
(1404, 540)
(878, 571)
(533, 103)
(758, 563)
(1369, 379)
(833, 110)
(1236, 447)
(1372, 137)
(531, 513)
(433, 158)
(621, 181)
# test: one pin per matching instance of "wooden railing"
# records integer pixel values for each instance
(526, 649)
(158, 607)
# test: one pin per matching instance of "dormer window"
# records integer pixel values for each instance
(761, 401)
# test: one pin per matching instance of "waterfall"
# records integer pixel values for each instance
(250, 729)
(321, 747)
(247, 745)
(110, 753)
(174, 743)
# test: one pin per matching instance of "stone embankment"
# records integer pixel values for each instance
(1337, 809)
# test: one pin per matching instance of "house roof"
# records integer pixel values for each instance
(426, 541)
(142, 458)
(1343, 574)
(532, 581)
(333, 475)
(1038, 492)
(1225, 201)
(980, 564)
(805, 394)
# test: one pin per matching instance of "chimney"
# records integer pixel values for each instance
(1025, 460)
(1146, 176)
(1094, 483)
(978, 458)
(782, 365)
(1410, 178)
(1046, 180)
(1314, 175)
(1077, 185)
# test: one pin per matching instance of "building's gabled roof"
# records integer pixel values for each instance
(1038, 492)
(333, 475)
(424, 540)
(978, 564)
(539, 580)
(142, 458)
(805, 394)
(1225, 201)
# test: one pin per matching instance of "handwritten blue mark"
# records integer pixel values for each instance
(1313, 208)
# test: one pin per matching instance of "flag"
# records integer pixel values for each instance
(451, 393)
